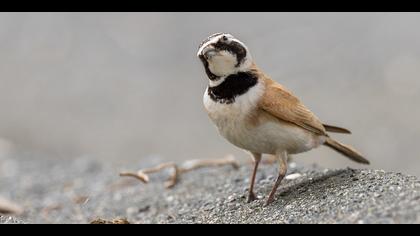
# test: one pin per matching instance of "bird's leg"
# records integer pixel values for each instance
(257, 159)
(282, 157)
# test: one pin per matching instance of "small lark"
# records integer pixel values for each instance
(257, 114)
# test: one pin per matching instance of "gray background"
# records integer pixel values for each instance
(123, 87)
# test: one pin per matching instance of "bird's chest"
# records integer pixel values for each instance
(232, 118)
(228, 117)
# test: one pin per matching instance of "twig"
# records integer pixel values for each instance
(142, 174)
(190, 165)
(196, 164)
(139, 175)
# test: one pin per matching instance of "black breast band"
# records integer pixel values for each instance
(233, 86)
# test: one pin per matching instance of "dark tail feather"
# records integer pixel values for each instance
(346, 151)
(336, 129)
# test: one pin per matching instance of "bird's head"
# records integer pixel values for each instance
(223, 55)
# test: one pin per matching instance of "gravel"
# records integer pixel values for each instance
(82, 190)
(10, 220)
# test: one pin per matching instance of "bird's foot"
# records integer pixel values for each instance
(251, 197)
(269, 200)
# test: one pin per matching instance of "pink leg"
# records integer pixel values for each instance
(282, 172)
(257, 159)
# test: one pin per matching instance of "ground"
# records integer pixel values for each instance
(81, 191)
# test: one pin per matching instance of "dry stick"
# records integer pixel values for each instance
(173, 178)
(142, 174)
(195, 164)
(186, 166)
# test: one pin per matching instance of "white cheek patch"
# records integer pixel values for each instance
(223, 64)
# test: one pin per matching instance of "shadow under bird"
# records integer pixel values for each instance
(257, 114)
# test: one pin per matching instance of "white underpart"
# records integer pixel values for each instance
(271, 137)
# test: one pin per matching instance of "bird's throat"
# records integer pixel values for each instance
(232, 86)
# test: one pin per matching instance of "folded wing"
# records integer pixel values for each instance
(285, 106)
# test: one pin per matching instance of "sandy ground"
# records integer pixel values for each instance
(81, 191)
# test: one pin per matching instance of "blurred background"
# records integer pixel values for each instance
(127, 87)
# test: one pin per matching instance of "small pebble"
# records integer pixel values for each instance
(293, 176)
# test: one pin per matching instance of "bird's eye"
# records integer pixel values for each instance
(224, 38)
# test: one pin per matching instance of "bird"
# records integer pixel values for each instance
(256, 113)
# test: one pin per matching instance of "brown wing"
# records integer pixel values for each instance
(285, 106)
